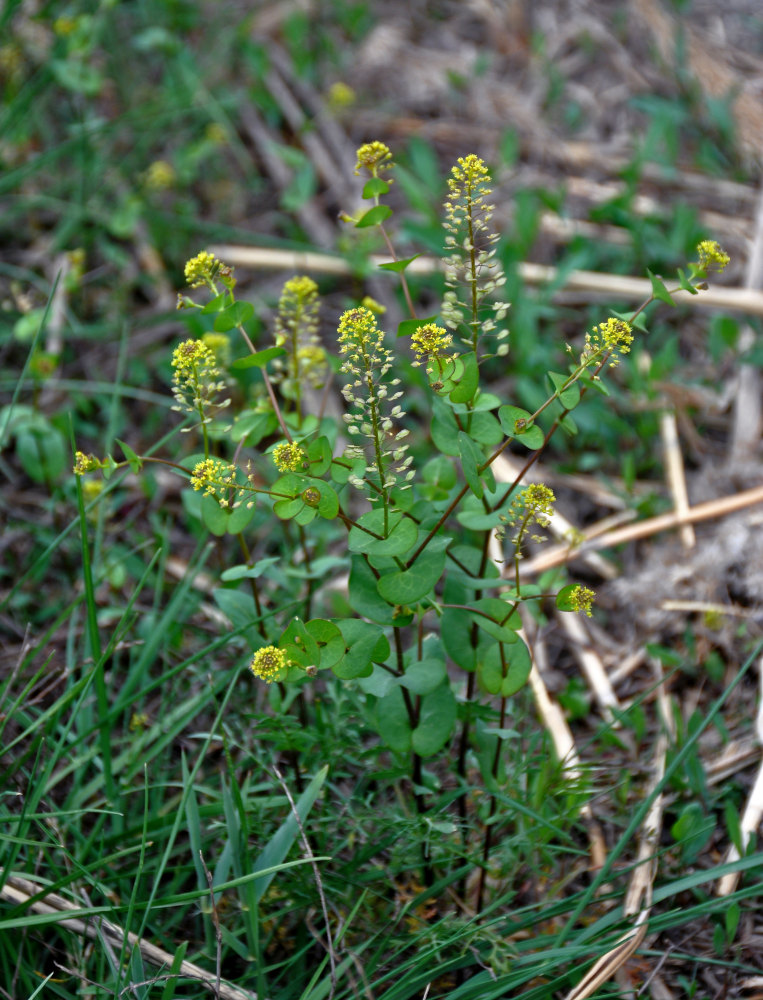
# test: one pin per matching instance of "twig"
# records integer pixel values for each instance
(19, 891)
(643, 529)
(638, 899)
(753, 810)
(737, 300)
(674, 470)
(591, 665)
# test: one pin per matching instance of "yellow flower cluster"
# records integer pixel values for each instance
(532, 505)
(467, 174)
(219, 345)
(711, 255)
(288, 457)
(581, 599)
(374, 157)
(84, 463)
(341, 95)
(215, 477)
(201, 269)
(613, 337)
(195, 381)
(160, 175)
(473, 273)
(296, 330)
(430, 341)
(360, 337)
(268, 663)
(192, 354)
(299, 289)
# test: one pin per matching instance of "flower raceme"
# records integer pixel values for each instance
(367, 362)
(196, 380)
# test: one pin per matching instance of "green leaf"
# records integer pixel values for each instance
(299, 645)
(508, 677)
(692, 829)
(330, 641)
(287, 833)
(374, 187)
(398, 266)
(319, 455)
(374, 216)
(77, 75)
(237, 314)
(437, 718)
(239, 517)
(471, 459)
(444, 429)
(485, 429)
(469, 381)
(731, 920)
(410, 585)
(134, 461)
(686, 284)
(440, 475)
(392, 721)
(569, 397)
(498, 618)
(364, 597)
(244, 572)
(514, 423)
(402, 534)
(659, 290)
(563, 599)
(213, 516)
(216, 304)
(456, 623)
(287, 509)
(257, 360)
(238, 607)
(42, 451)
(409, 326)
(473, 516)
(365, 643)
(424, 676)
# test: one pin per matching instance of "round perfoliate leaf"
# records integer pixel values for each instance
(516, 423)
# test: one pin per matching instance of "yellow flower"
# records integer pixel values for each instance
(615, 337)
(268, 663)
(532, 505)
(84, 463)
(160, 175)
(711, 255)
(193, 354)
(430, 341)
(374, 157)
(581, 599)
(288, 457)
(340, 95)
(202, 269)
(214, 132)
(219, 345)
(214, 477)
(370, 303)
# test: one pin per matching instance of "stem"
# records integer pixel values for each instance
(403, 280)
(488, 842)
(378, 451)
(255, 588)
(418, 798)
